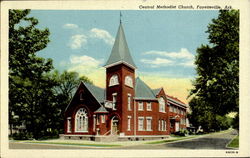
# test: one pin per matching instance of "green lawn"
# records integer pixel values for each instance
(78, 144)
(234, 143)
(171, 140)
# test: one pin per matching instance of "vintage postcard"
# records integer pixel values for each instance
(125, 79)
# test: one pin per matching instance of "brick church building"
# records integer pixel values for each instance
(127, 109)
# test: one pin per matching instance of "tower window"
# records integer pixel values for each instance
(114, 80)
(114, 101)
(129, 81)
(129, 102)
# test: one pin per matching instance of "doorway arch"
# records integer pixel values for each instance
(115, 125)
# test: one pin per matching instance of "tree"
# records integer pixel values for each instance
(217, 83)
(30, 89)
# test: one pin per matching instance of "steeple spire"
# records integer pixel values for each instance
(120, 17)
(120, 51)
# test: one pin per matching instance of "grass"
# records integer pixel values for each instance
(171, 140)
(78, 144)
(234, 143)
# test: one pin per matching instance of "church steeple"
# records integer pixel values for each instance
(120, 52)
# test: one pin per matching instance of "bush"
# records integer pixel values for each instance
(21, 136)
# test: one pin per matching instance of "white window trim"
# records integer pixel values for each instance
(129, 102)
(129, 81)
(69, 125)
(114, 95)
(103, 118)
(162, 108)
(149, 118)
(115, 79)
(140, 104)
(129, 123)
(76, 128)
(149, 103)
(141, 118)
(159, 125)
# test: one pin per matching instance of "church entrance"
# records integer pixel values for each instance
(114, 125)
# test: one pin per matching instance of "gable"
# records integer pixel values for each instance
(87, 94)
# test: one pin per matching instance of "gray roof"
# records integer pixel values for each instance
(120, 52)
(97, 92)
(142, 91)
(156, 91)
(101, 110)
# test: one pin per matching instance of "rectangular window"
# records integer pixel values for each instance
(97, 119)
(140, 106)
(129, 123)
(174, 109)
(129, 102)
(165, 125)
(69, 124)
(103, 118)
(149, 107)
(149, 123)
(162, 125)
(159, 125)
(114, 100)
(140, 123)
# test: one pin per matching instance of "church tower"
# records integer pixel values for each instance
(120, 85)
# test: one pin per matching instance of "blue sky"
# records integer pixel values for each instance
(162, 43)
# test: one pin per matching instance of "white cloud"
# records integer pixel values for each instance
(181, 58)
(158, 62)
(88, 66)
(85, 60)
(77, 41)
(182, 54)
(103, 35)
(70, 26)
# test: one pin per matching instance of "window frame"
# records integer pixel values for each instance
(141, 124)
(149, 104)
(140, 106)
(69, 125)
(129, 81)
(129, 102)
(114, 80)
(147, 126)
(129, 123)
(80, 120)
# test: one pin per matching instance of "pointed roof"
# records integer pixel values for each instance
(156, 91)
(97, 92)
(142, 91)
(120, 52)
(101, 110)
(175, 100)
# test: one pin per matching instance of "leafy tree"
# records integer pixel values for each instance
(217, 85)
(30, 89)
(37, 96)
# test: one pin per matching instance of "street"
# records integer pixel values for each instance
(213, 141)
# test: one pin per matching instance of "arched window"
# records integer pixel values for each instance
(161, 104)
(113, 80)
(81, 121)
(129, 81)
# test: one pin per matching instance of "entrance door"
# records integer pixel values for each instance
(114, 125)
(177, 126)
